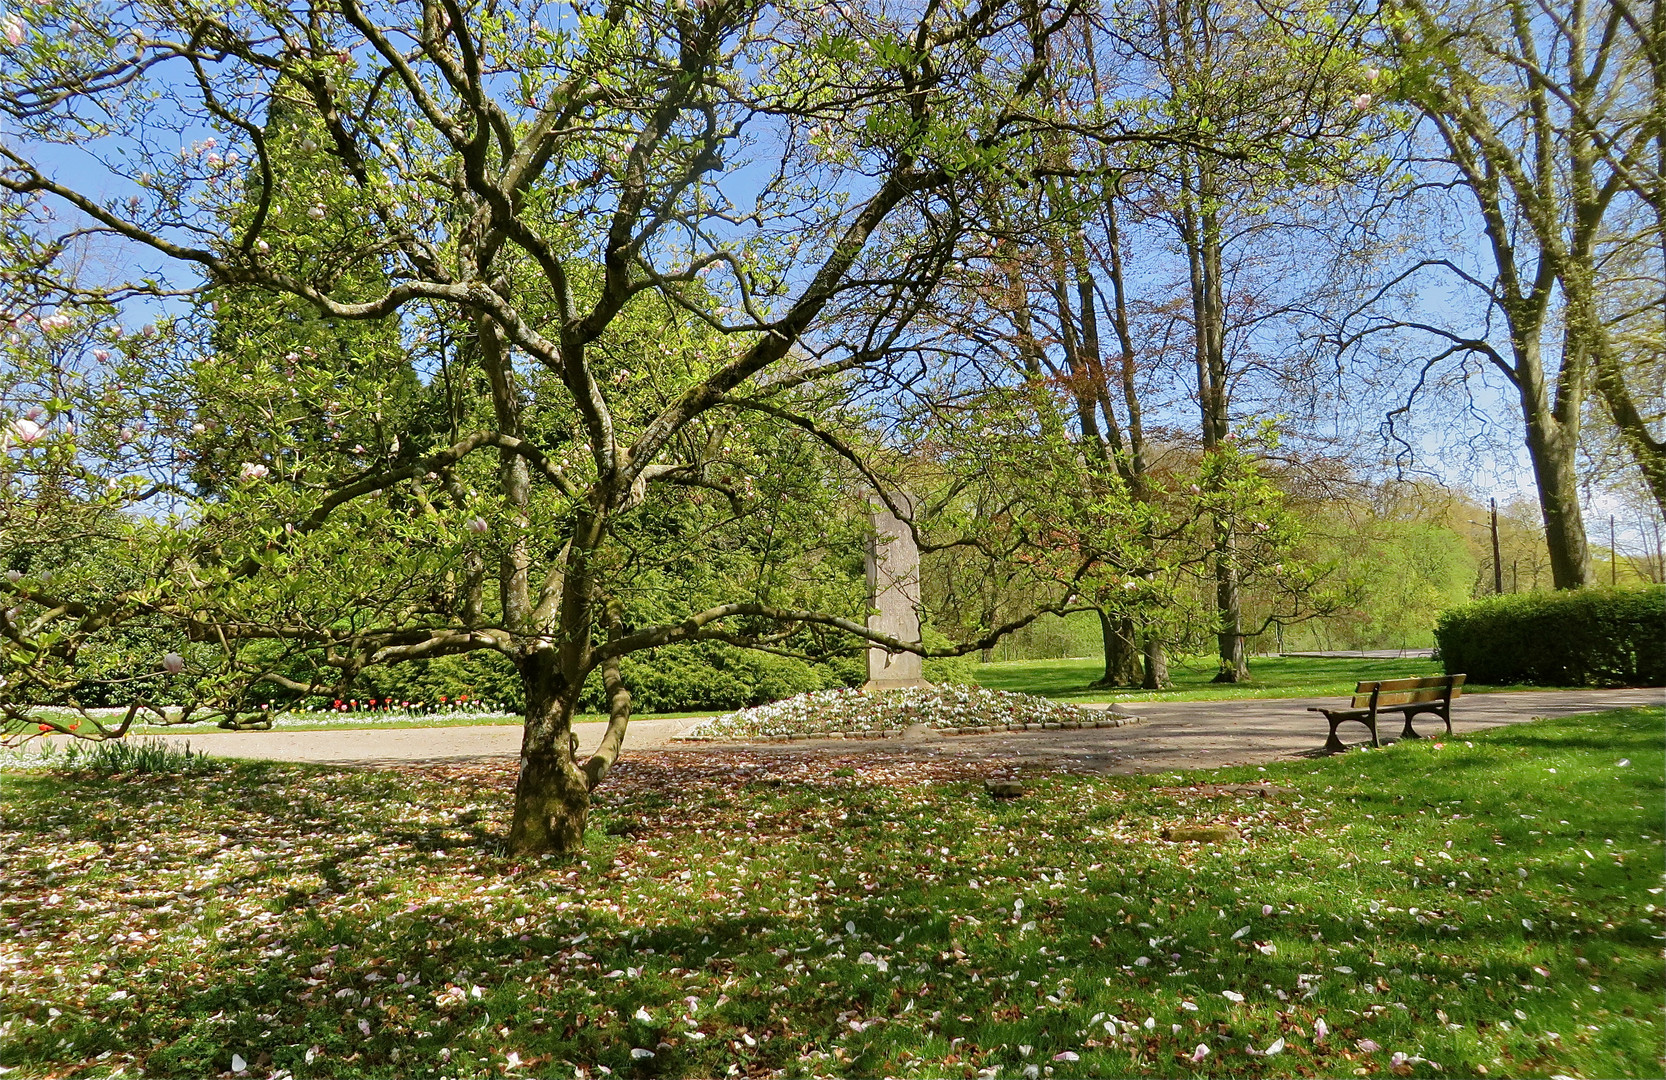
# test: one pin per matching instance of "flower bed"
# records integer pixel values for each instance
(951, 710)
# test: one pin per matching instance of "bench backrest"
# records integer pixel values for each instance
(1407, 691)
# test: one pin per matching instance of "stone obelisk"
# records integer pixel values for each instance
(893, 564)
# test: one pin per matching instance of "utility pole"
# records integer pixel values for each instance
(1497, 559)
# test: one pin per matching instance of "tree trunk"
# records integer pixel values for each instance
(1552, 448)
(552, 796)
(1156, 664)
(1230, 636)
(1122, 656)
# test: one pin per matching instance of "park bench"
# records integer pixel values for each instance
(1407, 696)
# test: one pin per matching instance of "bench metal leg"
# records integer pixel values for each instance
(1408, 733)
(1333, 745)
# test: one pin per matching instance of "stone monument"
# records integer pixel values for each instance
(894, 592)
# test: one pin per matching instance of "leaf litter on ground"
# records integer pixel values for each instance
(825, 914)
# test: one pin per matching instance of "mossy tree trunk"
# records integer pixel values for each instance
(1122, 651)
(552, 795)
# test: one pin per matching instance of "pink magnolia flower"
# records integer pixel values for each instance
(478, 525)
(253, 470)
(173, 663)
(26, 431)
(14, 30)
(1200, 1053)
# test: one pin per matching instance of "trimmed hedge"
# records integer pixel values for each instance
(713, 675)
(1574, 637)
(696, 677)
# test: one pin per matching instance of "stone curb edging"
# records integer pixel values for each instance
(866, 734)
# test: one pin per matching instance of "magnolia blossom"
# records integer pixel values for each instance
(262, 246)
(101, 355)
(253, 470)
(173, 663)
(316, 213)
(26, 431)
(1362, 102)
(14, 30)
(478, 525)
(55, 321)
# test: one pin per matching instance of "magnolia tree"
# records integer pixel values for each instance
(564, 333)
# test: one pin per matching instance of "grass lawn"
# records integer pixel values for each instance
(1490, 907)
(1062, 680)
(1271, 677)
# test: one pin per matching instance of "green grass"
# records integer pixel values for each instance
(1491, 905)
(1068, 680)
(1270, 677)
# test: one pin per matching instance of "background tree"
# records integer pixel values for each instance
(1542, 117)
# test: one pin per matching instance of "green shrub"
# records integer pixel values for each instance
(697, 677)
(711, 675)
(1576, 637)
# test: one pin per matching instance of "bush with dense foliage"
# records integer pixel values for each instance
(1580, 637)
(699, 677)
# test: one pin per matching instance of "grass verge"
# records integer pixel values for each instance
(1481, 907)
(1270, 677)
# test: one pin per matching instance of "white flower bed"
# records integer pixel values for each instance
(949, 709)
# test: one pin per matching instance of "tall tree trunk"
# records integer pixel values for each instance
(552, 796)
(1229, 638)
(1156, 663)
(1122, 651)
(1202, 231)
(1556, 469)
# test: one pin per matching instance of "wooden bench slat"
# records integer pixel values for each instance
(1408, 691)
(1410, 697)
(1409, 683)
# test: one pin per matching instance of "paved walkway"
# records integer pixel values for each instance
(1174, 735)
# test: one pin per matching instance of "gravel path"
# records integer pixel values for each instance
(1174, 735)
